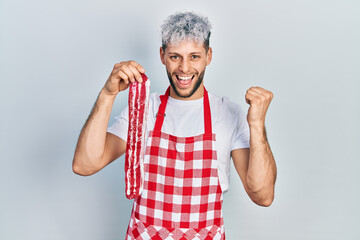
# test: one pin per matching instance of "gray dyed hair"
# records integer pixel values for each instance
(186, 26)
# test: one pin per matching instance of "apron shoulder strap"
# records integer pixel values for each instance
(161, 112)
(207, 113)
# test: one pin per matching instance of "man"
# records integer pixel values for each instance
(188, 151)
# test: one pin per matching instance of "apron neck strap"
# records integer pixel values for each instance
(207, 113)
(161, 112)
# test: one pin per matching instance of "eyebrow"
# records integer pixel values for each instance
(190, 53)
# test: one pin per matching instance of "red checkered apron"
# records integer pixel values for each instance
(182, 197)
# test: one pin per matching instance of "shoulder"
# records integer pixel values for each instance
(224, 107)
(154, 96)
(154, 99)
(154, 103)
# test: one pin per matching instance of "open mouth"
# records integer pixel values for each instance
(184, 80)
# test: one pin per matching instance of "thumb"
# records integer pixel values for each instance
(248, 98)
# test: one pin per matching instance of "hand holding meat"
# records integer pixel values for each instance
(122, 75)
(259, 100)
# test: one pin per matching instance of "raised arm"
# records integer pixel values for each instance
(256, 166)
(95, 147)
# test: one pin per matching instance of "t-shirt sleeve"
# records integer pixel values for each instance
(241, 134)
(120, 126)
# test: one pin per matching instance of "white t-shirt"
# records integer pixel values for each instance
(186, 118)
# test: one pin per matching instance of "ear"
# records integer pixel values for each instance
(208, 56)
(162, 55)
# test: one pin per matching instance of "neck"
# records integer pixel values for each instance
(199, 93)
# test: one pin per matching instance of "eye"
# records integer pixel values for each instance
(195, 56)
(174, 57)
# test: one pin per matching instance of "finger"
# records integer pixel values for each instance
(136, 73)
(117, 65)
(254, 93)
(115, 68)
(138, 66)
(114, 72)
(123, 77)
(129, 73)
(263, 92)
(257, 89)
(249, 98)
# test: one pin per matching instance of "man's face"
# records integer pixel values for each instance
(185, 65)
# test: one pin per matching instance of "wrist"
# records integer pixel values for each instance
(257, 129)
(257, 135)
(260, 125)
(104, 94)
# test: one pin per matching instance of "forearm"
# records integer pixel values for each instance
(91, 143)
(261, 174)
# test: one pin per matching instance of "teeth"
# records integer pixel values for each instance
(185, 78)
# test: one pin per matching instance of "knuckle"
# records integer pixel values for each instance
(122, 63)
(114, 69)
(122, 67)
(253, 88)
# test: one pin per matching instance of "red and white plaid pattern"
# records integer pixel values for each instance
(181, 188)
(182, 197)
(139, 231)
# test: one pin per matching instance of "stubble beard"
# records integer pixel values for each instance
(196, 86)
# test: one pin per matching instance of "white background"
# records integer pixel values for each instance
(56, 55)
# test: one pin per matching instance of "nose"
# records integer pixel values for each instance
(184, 66)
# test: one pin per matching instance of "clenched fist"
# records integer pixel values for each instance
(122, 74)
(259, 100)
